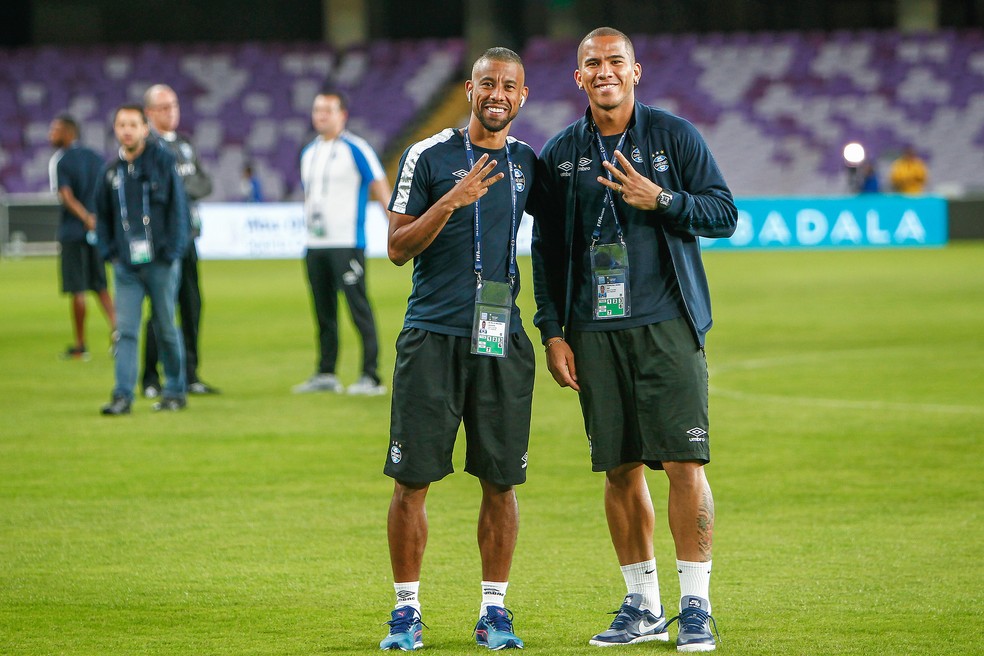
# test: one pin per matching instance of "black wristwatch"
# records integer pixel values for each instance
(663, 200)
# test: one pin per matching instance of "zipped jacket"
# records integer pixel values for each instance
(679, 161)
(149, 185)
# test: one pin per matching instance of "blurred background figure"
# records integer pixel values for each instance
(868, 179)
(908, 174)
(74, 171)
(142, 223)
(340, 172)
(249, 187)
(164, 114)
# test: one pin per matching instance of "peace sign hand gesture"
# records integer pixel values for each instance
(476, 183)
(636, 189)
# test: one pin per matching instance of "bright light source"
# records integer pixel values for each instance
(853, 153)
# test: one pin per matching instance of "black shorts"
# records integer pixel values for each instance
(82, 268)
(437, 384)
(643, 395)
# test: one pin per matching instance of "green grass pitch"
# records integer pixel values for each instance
(846, 424)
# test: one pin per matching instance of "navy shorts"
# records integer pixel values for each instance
(643, 395)
(82, 268)
(438, 385)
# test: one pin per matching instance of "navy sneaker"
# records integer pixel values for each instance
(406, 630)
(632, 624)
(495, 630)
(695, 625)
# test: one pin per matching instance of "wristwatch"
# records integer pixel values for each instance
(663, 200)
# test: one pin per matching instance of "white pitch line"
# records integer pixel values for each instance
(850, 405)
(888, 406)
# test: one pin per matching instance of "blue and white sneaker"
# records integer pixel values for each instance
(406, 630)
(632, 624)
(495, 630)
(695, 625)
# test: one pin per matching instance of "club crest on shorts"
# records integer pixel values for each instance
(396, 455)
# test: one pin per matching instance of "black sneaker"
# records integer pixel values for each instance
(75, 353)
(170, 403)
(118, 406)
(200, 388)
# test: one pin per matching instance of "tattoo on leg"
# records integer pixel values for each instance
(705, 524)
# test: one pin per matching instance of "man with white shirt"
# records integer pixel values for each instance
(339, 173)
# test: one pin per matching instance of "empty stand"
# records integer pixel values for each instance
(244, 101)
(776, 108)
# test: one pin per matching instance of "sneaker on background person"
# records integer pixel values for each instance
(320, 383)
(118, 406)
(200, 388)
(632, 624)
(367, 386)
(170, 404)
(406, 630)
(76, 353)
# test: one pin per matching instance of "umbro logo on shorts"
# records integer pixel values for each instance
(697, 434)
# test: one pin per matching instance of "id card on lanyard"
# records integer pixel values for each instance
(141, 247)
(610, 262)
(493, 300)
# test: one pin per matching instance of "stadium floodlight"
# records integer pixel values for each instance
(853, 153)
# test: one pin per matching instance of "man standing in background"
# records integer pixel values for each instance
(74, 171)
(164, 114)
(339, 172)
(142, 222)
(908, 174)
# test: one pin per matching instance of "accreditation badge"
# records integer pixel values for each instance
(610, 273)
(140, 251)
(493, 311)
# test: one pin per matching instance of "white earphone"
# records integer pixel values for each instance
(469, 96)
(522, 100)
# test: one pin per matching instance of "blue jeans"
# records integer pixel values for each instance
(158, 281)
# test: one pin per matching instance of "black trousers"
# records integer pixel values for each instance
(331, 270)
(190, 311)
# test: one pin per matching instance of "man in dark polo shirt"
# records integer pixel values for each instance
(462, 355)
(74, 171)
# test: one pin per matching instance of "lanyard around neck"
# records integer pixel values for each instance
(469, 152)
(609, 199)
(124, 210)
(326, 166)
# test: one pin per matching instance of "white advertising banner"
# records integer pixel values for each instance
(244, 231)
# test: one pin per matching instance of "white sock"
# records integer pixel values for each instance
(695, 580)
(407, 594)
(641, 578)
(493, 594)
